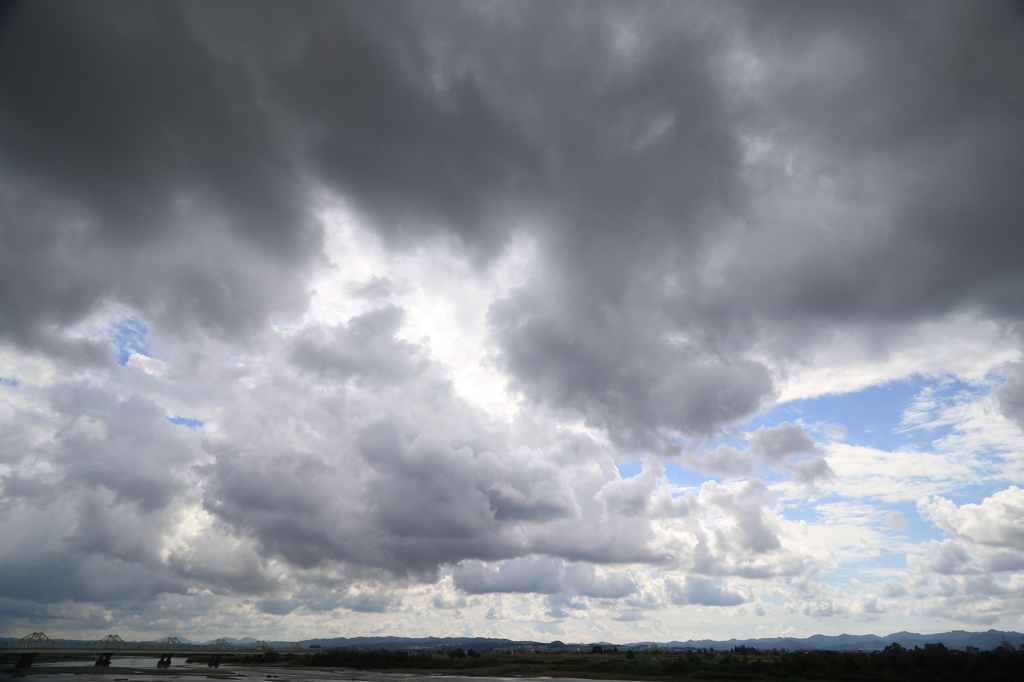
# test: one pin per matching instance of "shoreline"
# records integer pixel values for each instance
(505, 671)
(44, 670)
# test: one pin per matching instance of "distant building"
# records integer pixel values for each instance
(653, 646)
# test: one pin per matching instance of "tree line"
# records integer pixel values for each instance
(893, 664)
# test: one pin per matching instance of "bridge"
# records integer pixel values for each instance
(110, 645)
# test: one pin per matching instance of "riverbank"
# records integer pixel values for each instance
(114, 671)
(518, 671)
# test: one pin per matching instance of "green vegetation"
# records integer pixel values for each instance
(894, 664)
(382, 660)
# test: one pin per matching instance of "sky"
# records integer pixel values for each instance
(588, 321)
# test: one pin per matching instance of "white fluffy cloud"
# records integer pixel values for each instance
(998, 521)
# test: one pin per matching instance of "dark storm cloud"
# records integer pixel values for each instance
(84, 546)
(1011, 394)
(134, 161)
(122, 111)
(85, 578)
(915, 109)
(277, 607)
(712, 189)
(661, 266)
(922, 156)
(660, 385)
(641, 164)
(619, 135)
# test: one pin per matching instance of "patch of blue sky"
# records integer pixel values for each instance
(129, 335)
(799, 510)
(679, 475)
(868, 570)
(10, 381)
(190, 422)
(910, 514)
(870, 416)
(675, 473)
(972, 493)
(914, 530)
(875, 416)
(897, 415)
(629, 468)
(920, 531)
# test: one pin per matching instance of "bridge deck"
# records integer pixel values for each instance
(38, 643)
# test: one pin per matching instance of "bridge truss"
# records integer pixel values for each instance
(111, 645)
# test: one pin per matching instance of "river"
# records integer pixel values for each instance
(134, 671)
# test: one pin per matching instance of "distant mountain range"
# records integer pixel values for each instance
(957, 639)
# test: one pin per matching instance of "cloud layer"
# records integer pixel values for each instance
(484, 318)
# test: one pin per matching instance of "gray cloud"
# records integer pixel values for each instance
(389, 469)
(703, 591)
(565, 582)
(540, 576)
(712, 192)
(1010, 394)
(139, 168)
(751, 530)
(659, 387)
(365, 349)
(777, 444)
(945, 558)
(586, 582)
(277, 607)
(631, 156)
(722, 461)
(371, 602)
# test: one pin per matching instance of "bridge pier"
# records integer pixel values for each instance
(166, 649)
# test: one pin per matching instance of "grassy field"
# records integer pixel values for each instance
(894, 664)
(584, 666)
